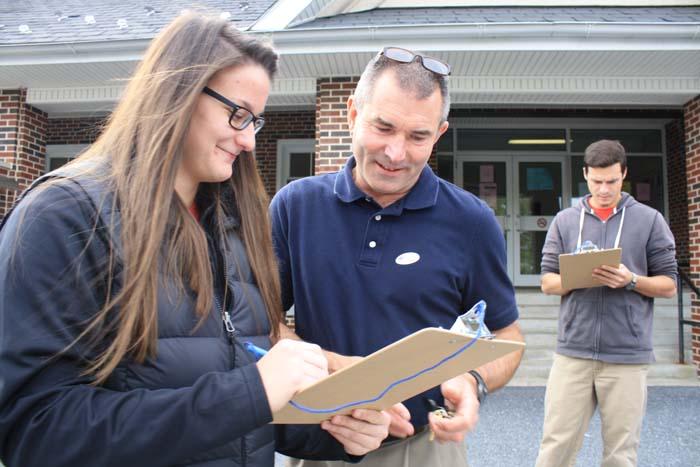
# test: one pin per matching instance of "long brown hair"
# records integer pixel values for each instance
(141, 146)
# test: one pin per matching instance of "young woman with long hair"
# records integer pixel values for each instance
(130, 277)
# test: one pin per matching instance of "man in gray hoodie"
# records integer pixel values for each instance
(604, 340)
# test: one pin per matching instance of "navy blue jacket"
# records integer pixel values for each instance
(200, 401)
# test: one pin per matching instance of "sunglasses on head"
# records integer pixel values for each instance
(400, 55)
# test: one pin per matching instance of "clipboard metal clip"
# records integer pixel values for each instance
(587, 247)
(472, 324)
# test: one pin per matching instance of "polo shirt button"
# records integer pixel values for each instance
(368, 199)
(372, 244)
(377, 217)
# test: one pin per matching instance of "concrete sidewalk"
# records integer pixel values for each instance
(510, 428)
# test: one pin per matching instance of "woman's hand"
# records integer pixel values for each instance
(289, 367)
(361, 432)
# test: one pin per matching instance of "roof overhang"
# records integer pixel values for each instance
(578, 64)
(340, 7)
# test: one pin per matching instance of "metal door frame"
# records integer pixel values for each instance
(512, 219)
(534, 279)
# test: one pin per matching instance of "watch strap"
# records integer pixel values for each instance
(481, 389)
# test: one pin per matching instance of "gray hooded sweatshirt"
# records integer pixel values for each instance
(601, 323)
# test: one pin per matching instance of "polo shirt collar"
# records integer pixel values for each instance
(423, 194)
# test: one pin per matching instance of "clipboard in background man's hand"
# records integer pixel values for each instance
(576, 269)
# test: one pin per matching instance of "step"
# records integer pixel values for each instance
(529, 297)
(660, 374)
(660, 340)
(543, 326)
(663, 328)
(662, 354)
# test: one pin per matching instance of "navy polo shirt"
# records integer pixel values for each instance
(361, 276)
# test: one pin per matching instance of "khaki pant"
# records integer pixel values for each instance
(416, 451)
(575, 387)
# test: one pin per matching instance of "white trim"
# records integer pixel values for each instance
(38, 96)
(73, 52)
(304, 87)
(573, 85)
(294, 86)
(339, 7)
(280, 15)
(471, 90)
(492, 36)
(286, 147)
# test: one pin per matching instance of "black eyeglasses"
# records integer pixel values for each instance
(240, 117)
(400, 55)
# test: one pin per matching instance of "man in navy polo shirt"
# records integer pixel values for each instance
(384, 248)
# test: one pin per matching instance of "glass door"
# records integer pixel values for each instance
(525, 193)
(539, 188)
(490, 180)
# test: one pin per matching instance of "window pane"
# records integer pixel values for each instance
(579, 188)
(300, 164)
(445, 142)
(504, 139)
(540, 187)
(444, 168)
(487, 180)
(644, 180)
(531, 244)
(634, 141)
(56, 162)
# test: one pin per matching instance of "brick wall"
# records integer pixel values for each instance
(22, 145)
(333, 141)
(280, 125)
(677, 194)
(82, 130)
(692, 152)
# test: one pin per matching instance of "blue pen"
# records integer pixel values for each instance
(257, 352)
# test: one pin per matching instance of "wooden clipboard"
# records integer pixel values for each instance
(371, 376)
(576, 269)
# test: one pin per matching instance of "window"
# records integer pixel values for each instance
(58, 155)
(644, 180)
(512, 140)
(634, 141)
(295, 159)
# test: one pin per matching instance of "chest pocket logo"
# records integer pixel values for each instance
(404, 259)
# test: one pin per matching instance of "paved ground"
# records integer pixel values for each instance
(511, 425)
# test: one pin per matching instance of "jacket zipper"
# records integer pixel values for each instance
(599, 314)
(230, 330)
(599, 324)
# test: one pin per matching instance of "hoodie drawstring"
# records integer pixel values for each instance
(580, 228)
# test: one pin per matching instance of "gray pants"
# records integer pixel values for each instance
(416, 451)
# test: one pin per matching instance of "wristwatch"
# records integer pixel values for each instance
(481, 389)
(632, 283)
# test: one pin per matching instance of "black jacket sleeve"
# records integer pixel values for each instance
(310, 442)
(49, 413)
